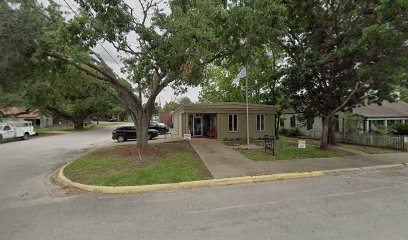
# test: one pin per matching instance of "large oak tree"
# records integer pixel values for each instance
(341, 54)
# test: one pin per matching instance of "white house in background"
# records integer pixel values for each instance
(373, 116)
(38, 120)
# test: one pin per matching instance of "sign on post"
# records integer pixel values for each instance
(187, 137)
(269, 143)
(301, 144)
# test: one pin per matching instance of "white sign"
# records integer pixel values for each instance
(187, 136)
(301, 144)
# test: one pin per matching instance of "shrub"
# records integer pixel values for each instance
(352, 122)
(399, 129)
(295, 132)
(284, 131)
(380, 129)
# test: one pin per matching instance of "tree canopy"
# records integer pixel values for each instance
(64, 92)
(173, 105)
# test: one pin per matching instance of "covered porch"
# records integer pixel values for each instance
(372, 124)
(202, 124)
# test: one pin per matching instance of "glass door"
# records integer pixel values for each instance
(197, 126)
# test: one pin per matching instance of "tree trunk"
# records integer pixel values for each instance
(332, 133)
(78, 123)
(325, 133)
(142, 128)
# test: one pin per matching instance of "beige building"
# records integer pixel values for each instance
(224, 120)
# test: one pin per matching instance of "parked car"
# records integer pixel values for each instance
(21, 130)
(160, 127)
(113, 119)
(89, 123)
(124, 133)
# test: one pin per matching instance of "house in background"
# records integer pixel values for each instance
(373, 117)
(166, 117)
(224, 120)
(39, 120)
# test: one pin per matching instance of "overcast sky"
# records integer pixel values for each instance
(110, 55)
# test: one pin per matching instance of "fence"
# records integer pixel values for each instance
(398, 142)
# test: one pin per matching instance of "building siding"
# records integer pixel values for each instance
(223, 133)
(221, 112)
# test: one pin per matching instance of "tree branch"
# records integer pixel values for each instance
(357, 87)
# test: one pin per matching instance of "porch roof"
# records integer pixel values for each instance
(226, 107)
(386, 110)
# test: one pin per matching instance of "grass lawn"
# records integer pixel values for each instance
(369, 150)
(121, 166)
(286, 148)
(71, 128)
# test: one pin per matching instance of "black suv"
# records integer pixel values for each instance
(129, 132)
(160, 127)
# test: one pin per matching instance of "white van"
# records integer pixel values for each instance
(13, 130)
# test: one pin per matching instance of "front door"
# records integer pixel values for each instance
(8, 132)
(197, 126)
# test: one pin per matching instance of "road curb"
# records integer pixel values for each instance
(213, 182)
(183, 185)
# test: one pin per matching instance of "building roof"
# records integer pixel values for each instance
(16, 112)
(225, 107)
(387, 109)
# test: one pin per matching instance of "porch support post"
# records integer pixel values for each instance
(385, 123)
(367, 123)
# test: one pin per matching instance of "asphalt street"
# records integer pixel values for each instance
(360, 205)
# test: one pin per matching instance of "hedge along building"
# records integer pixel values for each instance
(224, 120)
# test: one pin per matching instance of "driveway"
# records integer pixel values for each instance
(26, 166)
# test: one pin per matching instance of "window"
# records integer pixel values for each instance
(232, 123)
(310, 123)
(336, 123)
(293, 121)
(282, 122)
(7, 128)
(260, 122)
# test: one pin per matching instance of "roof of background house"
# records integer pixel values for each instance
(223, 107)
(387, 109)
(14, 112)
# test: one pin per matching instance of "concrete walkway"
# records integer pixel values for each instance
(356, 160)
(224, 162)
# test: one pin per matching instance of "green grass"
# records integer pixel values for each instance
(71, 128)
(368, 149)
(107, 170)
(286, 148)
